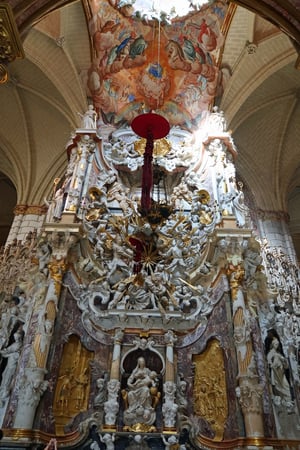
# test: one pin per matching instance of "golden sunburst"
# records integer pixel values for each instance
(150, 257)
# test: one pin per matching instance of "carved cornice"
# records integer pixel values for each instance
(38, 210)
(10, 43)
(40, 436)
(276, 216)
(75, 438)
(22, 210)
(245, 443)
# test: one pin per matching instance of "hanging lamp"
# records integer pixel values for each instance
(150, 126)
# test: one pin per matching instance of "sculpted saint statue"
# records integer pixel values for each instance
(278, 366)
(11, 353)
(89, 118)
(141, 396)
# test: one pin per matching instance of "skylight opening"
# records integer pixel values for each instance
(172, 8)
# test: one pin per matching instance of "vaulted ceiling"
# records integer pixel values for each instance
(39, 104)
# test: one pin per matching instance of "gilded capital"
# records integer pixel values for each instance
(57, 269)
(236, 276)
(20, 210)
(10, 43)
(275, 216)
(37, 210)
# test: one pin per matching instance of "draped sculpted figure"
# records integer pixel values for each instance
(278, 366)
(141, 396)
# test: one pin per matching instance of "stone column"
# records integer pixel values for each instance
(274, 231)
(19, 211)
(27, 219)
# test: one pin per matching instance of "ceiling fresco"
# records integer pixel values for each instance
(152, 60)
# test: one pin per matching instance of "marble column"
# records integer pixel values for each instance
(111, 406)
(33, 385)
(170, 339)
(249, 391)
(115, 365)
(169, 407)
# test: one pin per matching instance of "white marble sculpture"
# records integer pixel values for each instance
(11, 353)
(278, 366)
(138, 398)
(111, 406)
(89, 118)
(169, 408)
(108, 439)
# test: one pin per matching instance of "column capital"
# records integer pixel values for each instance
(276, 216)
(23, 210)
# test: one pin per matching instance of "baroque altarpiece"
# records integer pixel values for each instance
(149, 312)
